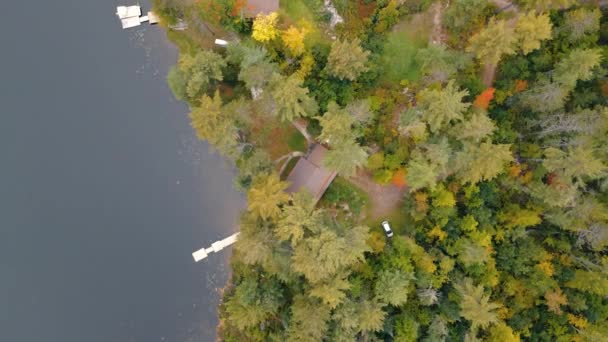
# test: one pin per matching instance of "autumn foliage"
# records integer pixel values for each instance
(399, 178)
(483, 100)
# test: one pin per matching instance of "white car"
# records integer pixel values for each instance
(387, 229)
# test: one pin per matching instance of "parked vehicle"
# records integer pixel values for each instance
(387, 229)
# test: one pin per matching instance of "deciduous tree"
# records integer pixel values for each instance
(265, 27)
(195, 74)
(531, 29)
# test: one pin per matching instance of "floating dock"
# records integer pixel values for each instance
(215, 247)
(130, 16)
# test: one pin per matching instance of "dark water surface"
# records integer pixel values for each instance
(104, 191)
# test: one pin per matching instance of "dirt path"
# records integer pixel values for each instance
(437, 36)
(489, 70)
(384, 198)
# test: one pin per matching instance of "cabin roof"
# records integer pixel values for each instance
(254, 7)
(310, 174)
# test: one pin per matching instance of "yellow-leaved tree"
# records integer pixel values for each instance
(265, 27)
(293, 38)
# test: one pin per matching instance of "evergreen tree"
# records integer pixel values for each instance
(253, 302)
(345, 158)
(482, 162)
(195, 74)
(213, 124)
(475, 128)
(578, 65)
(347, 59)
(337, 126)
(291, 98)
(308, 320)
(475, 305)
(493, 42)
(266, 195)
(581, 22)
(392, 287)
(440, 107)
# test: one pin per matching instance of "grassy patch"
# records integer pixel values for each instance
(399, 57)
(297, 142)
(341, 192)
(397, 219)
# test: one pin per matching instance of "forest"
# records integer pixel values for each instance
(478, 129)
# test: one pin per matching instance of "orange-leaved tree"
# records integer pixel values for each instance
(483, 100)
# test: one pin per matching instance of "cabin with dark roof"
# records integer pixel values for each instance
(254, 7)
(310, 174)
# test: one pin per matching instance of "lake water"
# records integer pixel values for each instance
(105, 192)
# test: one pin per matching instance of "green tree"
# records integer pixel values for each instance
(581, 22)
(589, 281)
(253, 302)
(308, 320)
(251, 164)
(493, 42)
(371, 316)
(392, 287)
(194, 75)
(465, 16)
(475, 305)
(347, 59)
(331, 292)
(439, 64)
(337, 125)
(291, 98)
(477, 162)
(345, 158)
(265, 196)
(578, 65)
(440, 107)
(438, 330)
(545, 5)
(406, 329)
(546, 97)
(255, 243)
(213, 124)
(477, 127)
(531, 29)
(323, 255)
(298, 218)
(578, 162)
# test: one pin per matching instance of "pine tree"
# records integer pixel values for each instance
(392, 287)
(345, 158)
(291, 98)
(582, 21)
(484, 161)
(440, 107)
(475, 305)
(347, 59)
(577, 66)
(337, 126)
(195, 74)
(266, 195)
(308, 321)
(253, 302)
(493, 42)
(298, 218)
(531, 29)
(476, 128)
(212, 123)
